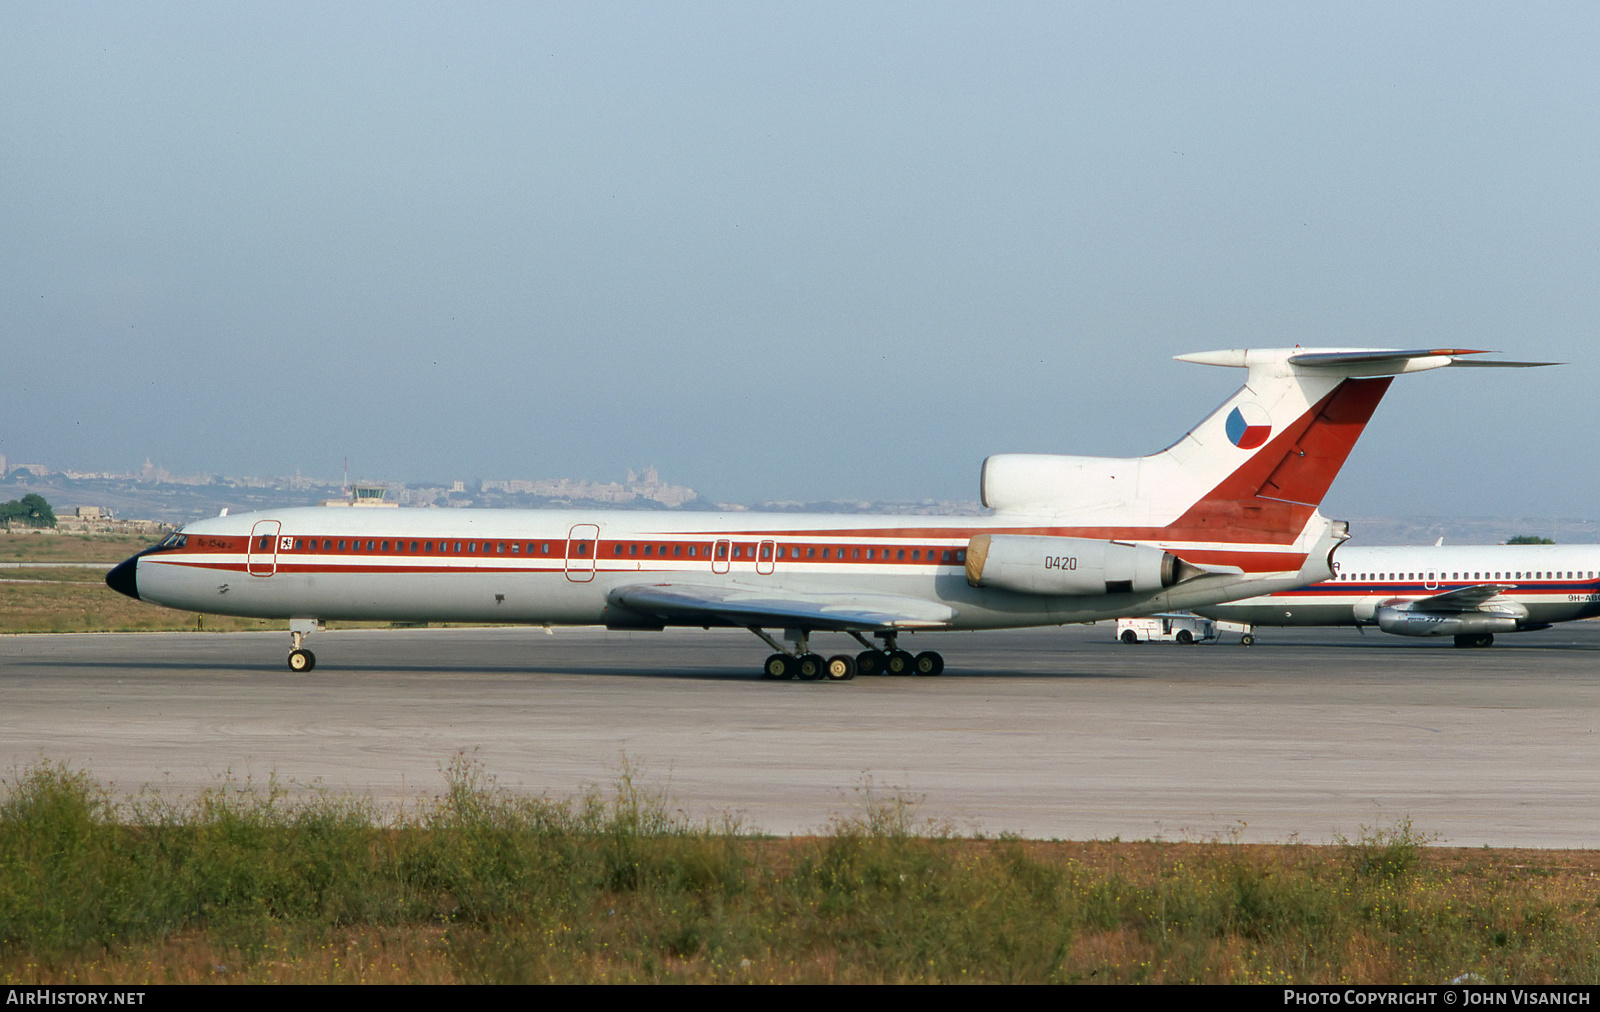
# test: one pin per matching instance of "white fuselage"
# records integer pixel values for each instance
(557, 567)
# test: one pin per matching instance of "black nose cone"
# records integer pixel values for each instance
(125, 578)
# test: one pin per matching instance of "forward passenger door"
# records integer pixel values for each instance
(261, 558)
(583, 543)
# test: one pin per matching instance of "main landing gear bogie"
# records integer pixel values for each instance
(802, 664)
(809, 667)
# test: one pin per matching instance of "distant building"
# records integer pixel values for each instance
(646, 486)
(363, 495)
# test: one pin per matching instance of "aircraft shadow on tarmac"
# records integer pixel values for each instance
(599, 669)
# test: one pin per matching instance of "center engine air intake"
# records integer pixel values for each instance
(1071, 567)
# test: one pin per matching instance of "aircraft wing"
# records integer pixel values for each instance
(1461, 599)
(747, 606)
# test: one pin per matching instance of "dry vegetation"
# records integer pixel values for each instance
(58, 602)
(76, 599)
(478, 884)
(108, 548)
(73, 599)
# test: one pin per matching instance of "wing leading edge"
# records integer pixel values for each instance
(745, 606)
(1461, 599)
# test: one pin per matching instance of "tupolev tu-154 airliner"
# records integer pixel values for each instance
(1229, 511)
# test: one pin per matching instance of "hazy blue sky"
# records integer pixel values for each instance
(791, 251)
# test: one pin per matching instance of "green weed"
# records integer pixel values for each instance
(253, 881)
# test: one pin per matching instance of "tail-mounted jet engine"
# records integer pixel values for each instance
(1071, 567)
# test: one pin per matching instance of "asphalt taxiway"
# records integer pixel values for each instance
(1049, 733)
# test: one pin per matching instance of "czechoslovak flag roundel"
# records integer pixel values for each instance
(1248, 426)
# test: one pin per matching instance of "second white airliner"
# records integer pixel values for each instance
(1467, 592)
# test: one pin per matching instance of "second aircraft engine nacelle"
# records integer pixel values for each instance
(1071, 567)
(1402, 621)
(1043, 481)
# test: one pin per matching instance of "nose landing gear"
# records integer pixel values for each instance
(301, 660)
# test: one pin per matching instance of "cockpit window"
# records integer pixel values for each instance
(172, 541)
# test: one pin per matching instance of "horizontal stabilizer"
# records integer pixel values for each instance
(1495, 363)
(1331, 359)
(1355, 361)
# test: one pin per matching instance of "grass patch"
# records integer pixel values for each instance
(73, 600)
(67, 605)
(245, 882)
(108, 548)
(64, 574)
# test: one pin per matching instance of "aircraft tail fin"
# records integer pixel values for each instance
(1256, 467)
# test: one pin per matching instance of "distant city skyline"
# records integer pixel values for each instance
(646, 487)
(646, 480)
